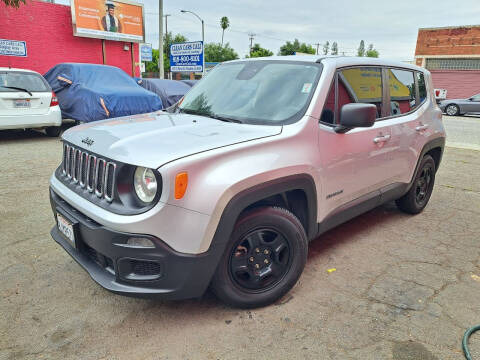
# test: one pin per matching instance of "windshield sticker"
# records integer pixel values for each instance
(306, 88)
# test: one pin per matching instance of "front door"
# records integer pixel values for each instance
(354, 166)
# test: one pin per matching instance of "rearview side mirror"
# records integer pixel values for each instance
(356, 115)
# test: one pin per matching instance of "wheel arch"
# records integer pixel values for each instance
(297, 191)
(434, 148)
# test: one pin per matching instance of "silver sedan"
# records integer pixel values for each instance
(455, 107)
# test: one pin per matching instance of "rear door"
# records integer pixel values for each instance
(410, 122)
(14, 101)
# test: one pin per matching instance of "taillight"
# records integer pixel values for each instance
(54, 100)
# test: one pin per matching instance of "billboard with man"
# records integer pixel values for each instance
(106, 19)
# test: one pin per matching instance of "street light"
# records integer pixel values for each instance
(203, 37)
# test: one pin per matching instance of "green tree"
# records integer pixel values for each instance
(361, 49)
(14, 3)
(258, 51)
(371, 52)
(334, 50)
(290, 48)
(216, 52)
(326, 47)
(224, 24)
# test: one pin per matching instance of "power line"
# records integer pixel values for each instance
(251, 36)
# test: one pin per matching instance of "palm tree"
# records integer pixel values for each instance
(224, 23)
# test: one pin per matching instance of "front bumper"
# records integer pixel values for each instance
(141, 272)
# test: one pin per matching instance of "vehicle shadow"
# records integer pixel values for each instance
(29, 134)
(318, 247)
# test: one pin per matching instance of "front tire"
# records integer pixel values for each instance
(415, 200)
(452, 110)
(265, 257)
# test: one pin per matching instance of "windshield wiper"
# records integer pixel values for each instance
(17, 88)
(209, 114)
(223, 118)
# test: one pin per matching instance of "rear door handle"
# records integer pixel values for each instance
(421, 127)
(380, 139)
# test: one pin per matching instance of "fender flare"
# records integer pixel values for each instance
(432, 144)
(249, 196)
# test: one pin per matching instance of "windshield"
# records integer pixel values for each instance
(256, 92)
(28, 81)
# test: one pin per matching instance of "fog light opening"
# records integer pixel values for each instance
(140, 243)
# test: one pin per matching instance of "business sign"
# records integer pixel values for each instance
(146, 52)
(118, 20)
(13, 48)
(186, 57)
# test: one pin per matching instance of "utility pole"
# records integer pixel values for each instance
(318, 44)
(166, 38)
(251, 35)
(161, 73)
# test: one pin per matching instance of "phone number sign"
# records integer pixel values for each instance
(186, 57)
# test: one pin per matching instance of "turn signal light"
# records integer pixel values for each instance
(181, 182)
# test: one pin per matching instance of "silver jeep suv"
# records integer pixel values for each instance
(226, 188)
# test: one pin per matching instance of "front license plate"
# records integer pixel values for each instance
(21, 103)
(66, 228)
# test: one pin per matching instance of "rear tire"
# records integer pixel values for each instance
(53, 131)
(415, 200)
(263, 260)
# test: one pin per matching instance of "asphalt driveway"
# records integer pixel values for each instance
(405, 287)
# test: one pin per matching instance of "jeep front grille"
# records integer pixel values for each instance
(89, 171)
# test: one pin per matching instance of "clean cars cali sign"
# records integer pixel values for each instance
(186, 56)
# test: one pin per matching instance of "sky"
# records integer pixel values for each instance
(391, 26)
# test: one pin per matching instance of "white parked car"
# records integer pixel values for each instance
(27, 102)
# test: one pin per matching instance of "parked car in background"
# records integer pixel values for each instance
(170, 91)
(455, 107)
(90, 92)
(226, 188)
(28, 102)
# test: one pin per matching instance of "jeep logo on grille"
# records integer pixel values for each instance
(87, 141)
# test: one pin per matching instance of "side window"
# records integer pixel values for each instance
(402, 91)
(476, 97)
(360, 85)
(422, 88)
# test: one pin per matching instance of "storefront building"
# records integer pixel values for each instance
(47, 31)
(452, 55)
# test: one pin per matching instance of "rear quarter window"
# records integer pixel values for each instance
(422, 88)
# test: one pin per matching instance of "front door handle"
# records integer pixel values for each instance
(380, 139)
(421, 127)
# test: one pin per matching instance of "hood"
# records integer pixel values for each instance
(154, 139)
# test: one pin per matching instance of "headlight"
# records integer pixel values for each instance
(145, 184)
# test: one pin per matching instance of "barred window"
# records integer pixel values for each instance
(453, 64)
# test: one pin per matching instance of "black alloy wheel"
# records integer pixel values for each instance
(260, 260)
(422, 185)
(415, 200)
